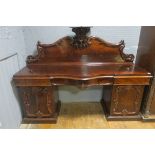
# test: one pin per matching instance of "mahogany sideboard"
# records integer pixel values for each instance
(83, 61)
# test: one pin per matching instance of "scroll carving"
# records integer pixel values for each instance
(27, 103)
(49, 102)
(81, 39)
(41, 91)
(35, 58)
(123, 110)
(125, 57)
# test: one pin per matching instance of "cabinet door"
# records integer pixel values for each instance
(126, 100)
(37, 101)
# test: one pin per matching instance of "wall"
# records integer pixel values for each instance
(12, 58)
(11, 42)
(110, 33)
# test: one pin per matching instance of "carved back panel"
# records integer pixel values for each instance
(80, 48)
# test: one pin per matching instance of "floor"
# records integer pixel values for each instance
(87, 116)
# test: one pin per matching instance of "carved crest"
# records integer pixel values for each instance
(81, 39)
(34, 58)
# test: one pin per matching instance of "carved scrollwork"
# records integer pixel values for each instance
(39, 114)
(34, 58)
(31, 59)
(123, 110)
(125, 57)
(49, 103)
(45, 92)
(26, 101)
(37, 94)
(27, 104)
(81, 40)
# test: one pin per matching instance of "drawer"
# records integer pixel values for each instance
(89, 82)
(32, 82)
(122, 80)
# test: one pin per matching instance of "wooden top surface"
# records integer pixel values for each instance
(87, 70)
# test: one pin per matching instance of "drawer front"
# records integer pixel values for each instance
(32, 82)
(90, 82)
(131, 81)
(61, 81)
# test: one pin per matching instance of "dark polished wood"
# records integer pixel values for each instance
(122, 101)
(82, 61)
(146, 59)
(40, 103)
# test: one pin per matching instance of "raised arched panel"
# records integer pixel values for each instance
(129, 104)
(79, 48)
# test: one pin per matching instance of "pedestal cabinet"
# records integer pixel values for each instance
(39, 103)
(122, 101)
